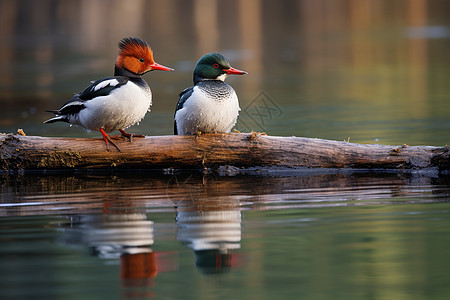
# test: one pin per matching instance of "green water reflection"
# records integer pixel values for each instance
(380, 252)
(362, 236)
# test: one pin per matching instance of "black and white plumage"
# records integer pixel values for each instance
(211, 105)
(104, 105)
(118, 102)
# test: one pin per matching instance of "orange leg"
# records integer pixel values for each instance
(107, 140)
(130, 135)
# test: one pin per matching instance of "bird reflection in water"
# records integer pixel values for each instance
(213, 235)
(127, 237)
(211, 226)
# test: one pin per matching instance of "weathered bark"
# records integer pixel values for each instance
(211, 150)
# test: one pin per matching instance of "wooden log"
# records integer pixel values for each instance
(242, 150)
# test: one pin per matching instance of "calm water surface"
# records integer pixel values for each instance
(189, 236)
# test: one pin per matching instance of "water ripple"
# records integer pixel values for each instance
(57, 194)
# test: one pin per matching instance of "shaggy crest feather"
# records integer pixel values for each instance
(132, 46)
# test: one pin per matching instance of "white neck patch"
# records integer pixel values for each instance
(222, 77)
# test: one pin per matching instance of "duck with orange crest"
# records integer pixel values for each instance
(118, 102)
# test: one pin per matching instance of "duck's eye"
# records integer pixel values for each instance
(141, 60)
(216, 65)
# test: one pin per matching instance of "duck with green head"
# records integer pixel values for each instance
(211, 105)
